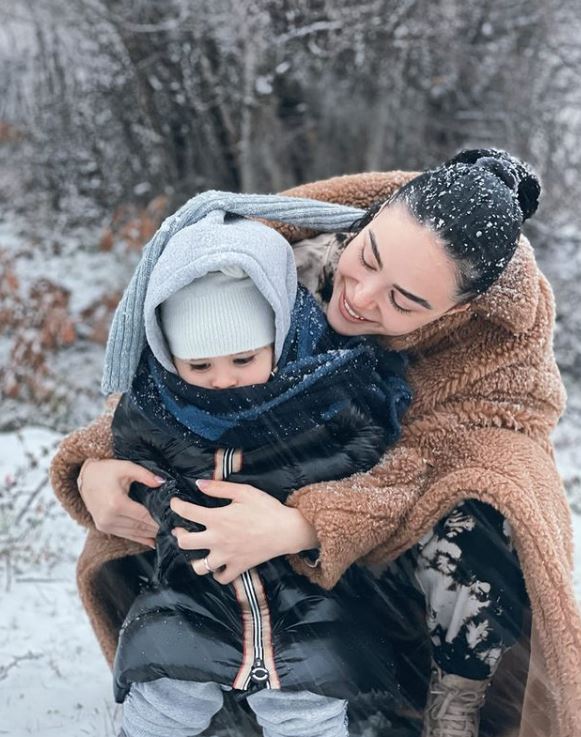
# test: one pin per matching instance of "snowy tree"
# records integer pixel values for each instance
(125, 99)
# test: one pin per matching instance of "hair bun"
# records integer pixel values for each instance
(513, 172)
(504, 169)
(529, 192)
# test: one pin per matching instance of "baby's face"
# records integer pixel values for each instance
(227, 372)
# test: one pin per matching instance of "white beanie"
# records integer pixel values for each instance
(219, 314)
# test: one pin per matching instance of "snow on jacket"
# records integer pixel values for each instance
(332, 409)
(487, 394)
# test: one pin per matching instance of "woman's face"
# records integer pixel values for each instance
(392, 278)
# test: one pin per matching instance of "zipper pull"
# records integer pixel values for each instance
(259, 672)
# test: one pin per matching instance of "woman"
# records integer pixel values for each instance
(441, 272)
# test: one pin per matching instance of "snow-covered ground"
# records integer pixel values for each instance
(53, 678)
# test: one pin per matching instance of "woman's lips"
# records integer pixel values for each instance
(347, 311)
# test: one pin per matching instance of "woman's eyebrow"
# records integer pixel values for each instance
(375, 249)
(413, 297)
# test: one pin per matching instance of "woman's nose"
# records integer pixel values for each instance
(362, 296)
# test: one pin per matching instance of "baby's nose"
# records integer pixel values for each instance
(224, 381)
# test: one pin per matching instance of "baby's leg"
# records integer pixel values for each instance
(299, 714)
(170, 708)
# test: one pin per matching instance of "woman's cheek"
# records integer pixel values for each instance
(333, 319)
(396, 325)
(332, 312)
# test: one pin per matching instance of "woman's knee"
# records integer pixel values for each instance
(474, 589)
(299, 714)
(170, 708)
(473, 543)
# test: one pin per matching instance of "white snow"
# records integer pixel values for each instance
(53, 677)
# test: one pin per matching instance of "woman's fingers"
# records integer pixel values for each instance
(104, 490)
(135, 472)
(221, 489)
(192, 512)
(140, 515)
(200, 567)
(147, 541)
(226, 575)
(124, 526)
(127, 514)
(127, 529)
(193, 540)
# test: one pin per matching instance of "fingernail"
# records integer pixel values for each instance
(202, 484)
(174, 532)
(159, 479)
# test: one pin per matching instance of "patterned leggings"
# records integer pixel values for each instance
(467, 575)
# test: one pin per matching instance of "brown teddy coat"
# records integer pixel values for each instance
(487, 394)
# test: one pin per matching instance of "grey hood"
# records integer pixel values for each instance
(213, 243)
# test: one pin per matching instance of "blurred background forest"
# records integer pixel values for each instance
(114, 112)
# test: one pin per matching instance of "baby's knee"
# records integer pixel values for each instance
(299, 714)
(170, 708)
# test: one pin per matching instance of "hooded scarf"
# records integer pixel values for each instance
(135, 313)
(319, 371)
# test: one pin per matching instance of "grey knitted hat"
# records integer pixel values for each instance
(220, 314)
(216, 244)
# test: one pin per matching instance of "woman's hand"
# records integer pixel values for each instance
(104, 490)
(254, 528)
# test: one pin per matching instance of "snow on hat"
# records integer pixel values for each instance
(220, 314)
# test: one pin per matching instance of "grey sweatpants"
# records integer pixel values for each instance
(171, 708)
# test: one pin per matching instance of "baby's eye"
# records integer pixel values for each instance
(244, 361)
(199, 366)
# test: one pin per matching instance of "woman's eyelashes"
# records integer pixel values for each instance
(369, 267)
(399, 308)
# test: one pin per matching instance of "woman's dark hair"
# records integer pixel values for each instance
(476, 204)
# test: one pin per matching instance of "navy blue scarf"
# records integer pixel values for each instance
(318, 375)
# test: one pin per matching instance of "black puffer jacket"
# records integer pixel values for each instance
(270, 628)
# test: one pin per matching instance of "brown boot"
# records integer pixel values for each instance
(453, 705)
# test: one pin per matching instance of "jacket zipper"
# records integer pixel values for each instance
(259, 672)
(248, 595)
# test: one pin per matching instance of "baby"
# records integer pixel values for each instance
(244, 380)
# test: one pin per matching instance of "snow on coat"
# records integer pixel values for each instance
(487, 394)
